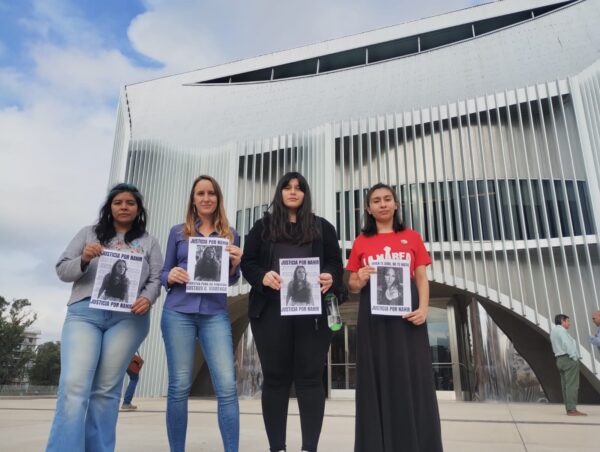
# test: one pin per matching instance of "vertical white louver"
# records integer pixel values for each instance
(504, 189)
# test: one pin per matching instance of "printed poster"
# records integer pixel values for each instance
(117, 281)
(390, 287)
(300, 290)
(208, 265)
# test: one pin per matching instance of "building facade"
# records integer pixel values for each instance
(486, 121)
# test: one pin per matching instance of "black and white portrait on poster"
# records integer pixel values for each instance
(390, 287)
(208, 265)
(117, 281)
(300, 291)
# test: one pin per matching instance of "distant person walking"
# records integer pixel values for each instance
(133, 372)
(567, 361)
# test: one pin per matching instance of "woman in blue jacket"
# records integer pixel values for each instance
(188, 317)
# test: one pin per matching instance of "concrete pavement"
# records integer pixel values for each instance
(466, 427)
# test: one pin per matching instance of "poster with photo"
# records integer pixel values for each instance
(300, 290)
(117, 281)
(390, 287)
(208, 265)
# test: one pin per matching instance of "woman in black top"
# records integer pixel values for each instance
(290, 348)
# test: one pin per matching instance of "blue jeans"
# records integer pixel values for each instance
(130, 391)
(180, 332)
(96, 347)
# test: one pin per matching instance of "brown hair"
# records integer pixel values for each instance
(219, 219)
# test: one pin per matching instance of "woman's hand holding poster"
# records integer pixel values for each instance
(300, 294)
(117, 281)
(390, 287)
(208, 265)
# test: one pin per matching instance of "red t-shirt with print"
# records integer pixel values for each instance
(403, 245)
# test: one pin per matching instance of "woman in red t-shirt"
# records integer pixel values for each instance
(396, 404)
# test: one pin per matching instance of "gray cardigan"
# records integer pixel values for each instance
(68, 266)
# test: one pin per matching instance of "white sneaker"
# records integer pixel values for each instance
(128, 407)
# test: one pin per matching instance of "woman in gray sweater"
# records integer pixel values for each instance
(97, 344)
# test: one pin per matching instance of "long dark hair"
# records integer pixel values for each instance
(279, 227)
(104, 228)
(370, 227)
(397, 277)
(295, 279)
(113, 271)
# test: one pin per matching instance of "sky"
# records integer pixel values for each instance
(62, 66)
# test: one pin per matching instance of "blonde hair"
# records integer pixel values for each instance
(219, 219)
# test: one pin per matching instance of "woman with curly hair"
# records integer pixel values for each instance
(96, 345)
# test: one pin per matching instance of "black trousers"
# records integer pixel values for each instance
(292, 349)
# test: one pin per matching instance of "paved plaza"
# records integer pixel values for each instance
(466, 427)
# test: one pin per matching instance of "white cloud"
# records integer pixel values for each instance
(56, 138)
(175, 35)
(57, 128)
(84, 75)
(60, 17)
(48, 298)
(187, 34)
(11, 82)
(55, 147)
(54, 173)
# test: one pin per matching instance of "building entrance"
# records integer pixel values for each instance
(443, 348)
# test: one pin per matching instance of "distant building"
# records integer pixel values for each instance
(30, 342)
(486, 123)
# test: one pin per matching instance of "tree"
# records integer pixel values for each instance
(15, 318)
(46, 365)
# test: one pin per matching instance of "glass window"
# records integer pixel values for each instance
(439, 347)
(524, 204)
(473, 206)
(343, 360)
(585, 207)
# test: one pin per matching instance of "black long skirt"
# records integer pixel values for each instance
(396, 405)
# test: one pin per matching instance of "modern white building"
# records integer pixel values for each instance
(487, 123)
(31, 337)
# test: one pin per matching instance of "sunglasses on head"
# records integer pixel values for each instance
(124, 187)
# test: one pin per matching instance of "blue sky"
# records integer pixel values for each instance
(26, 21)
(62, 66)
